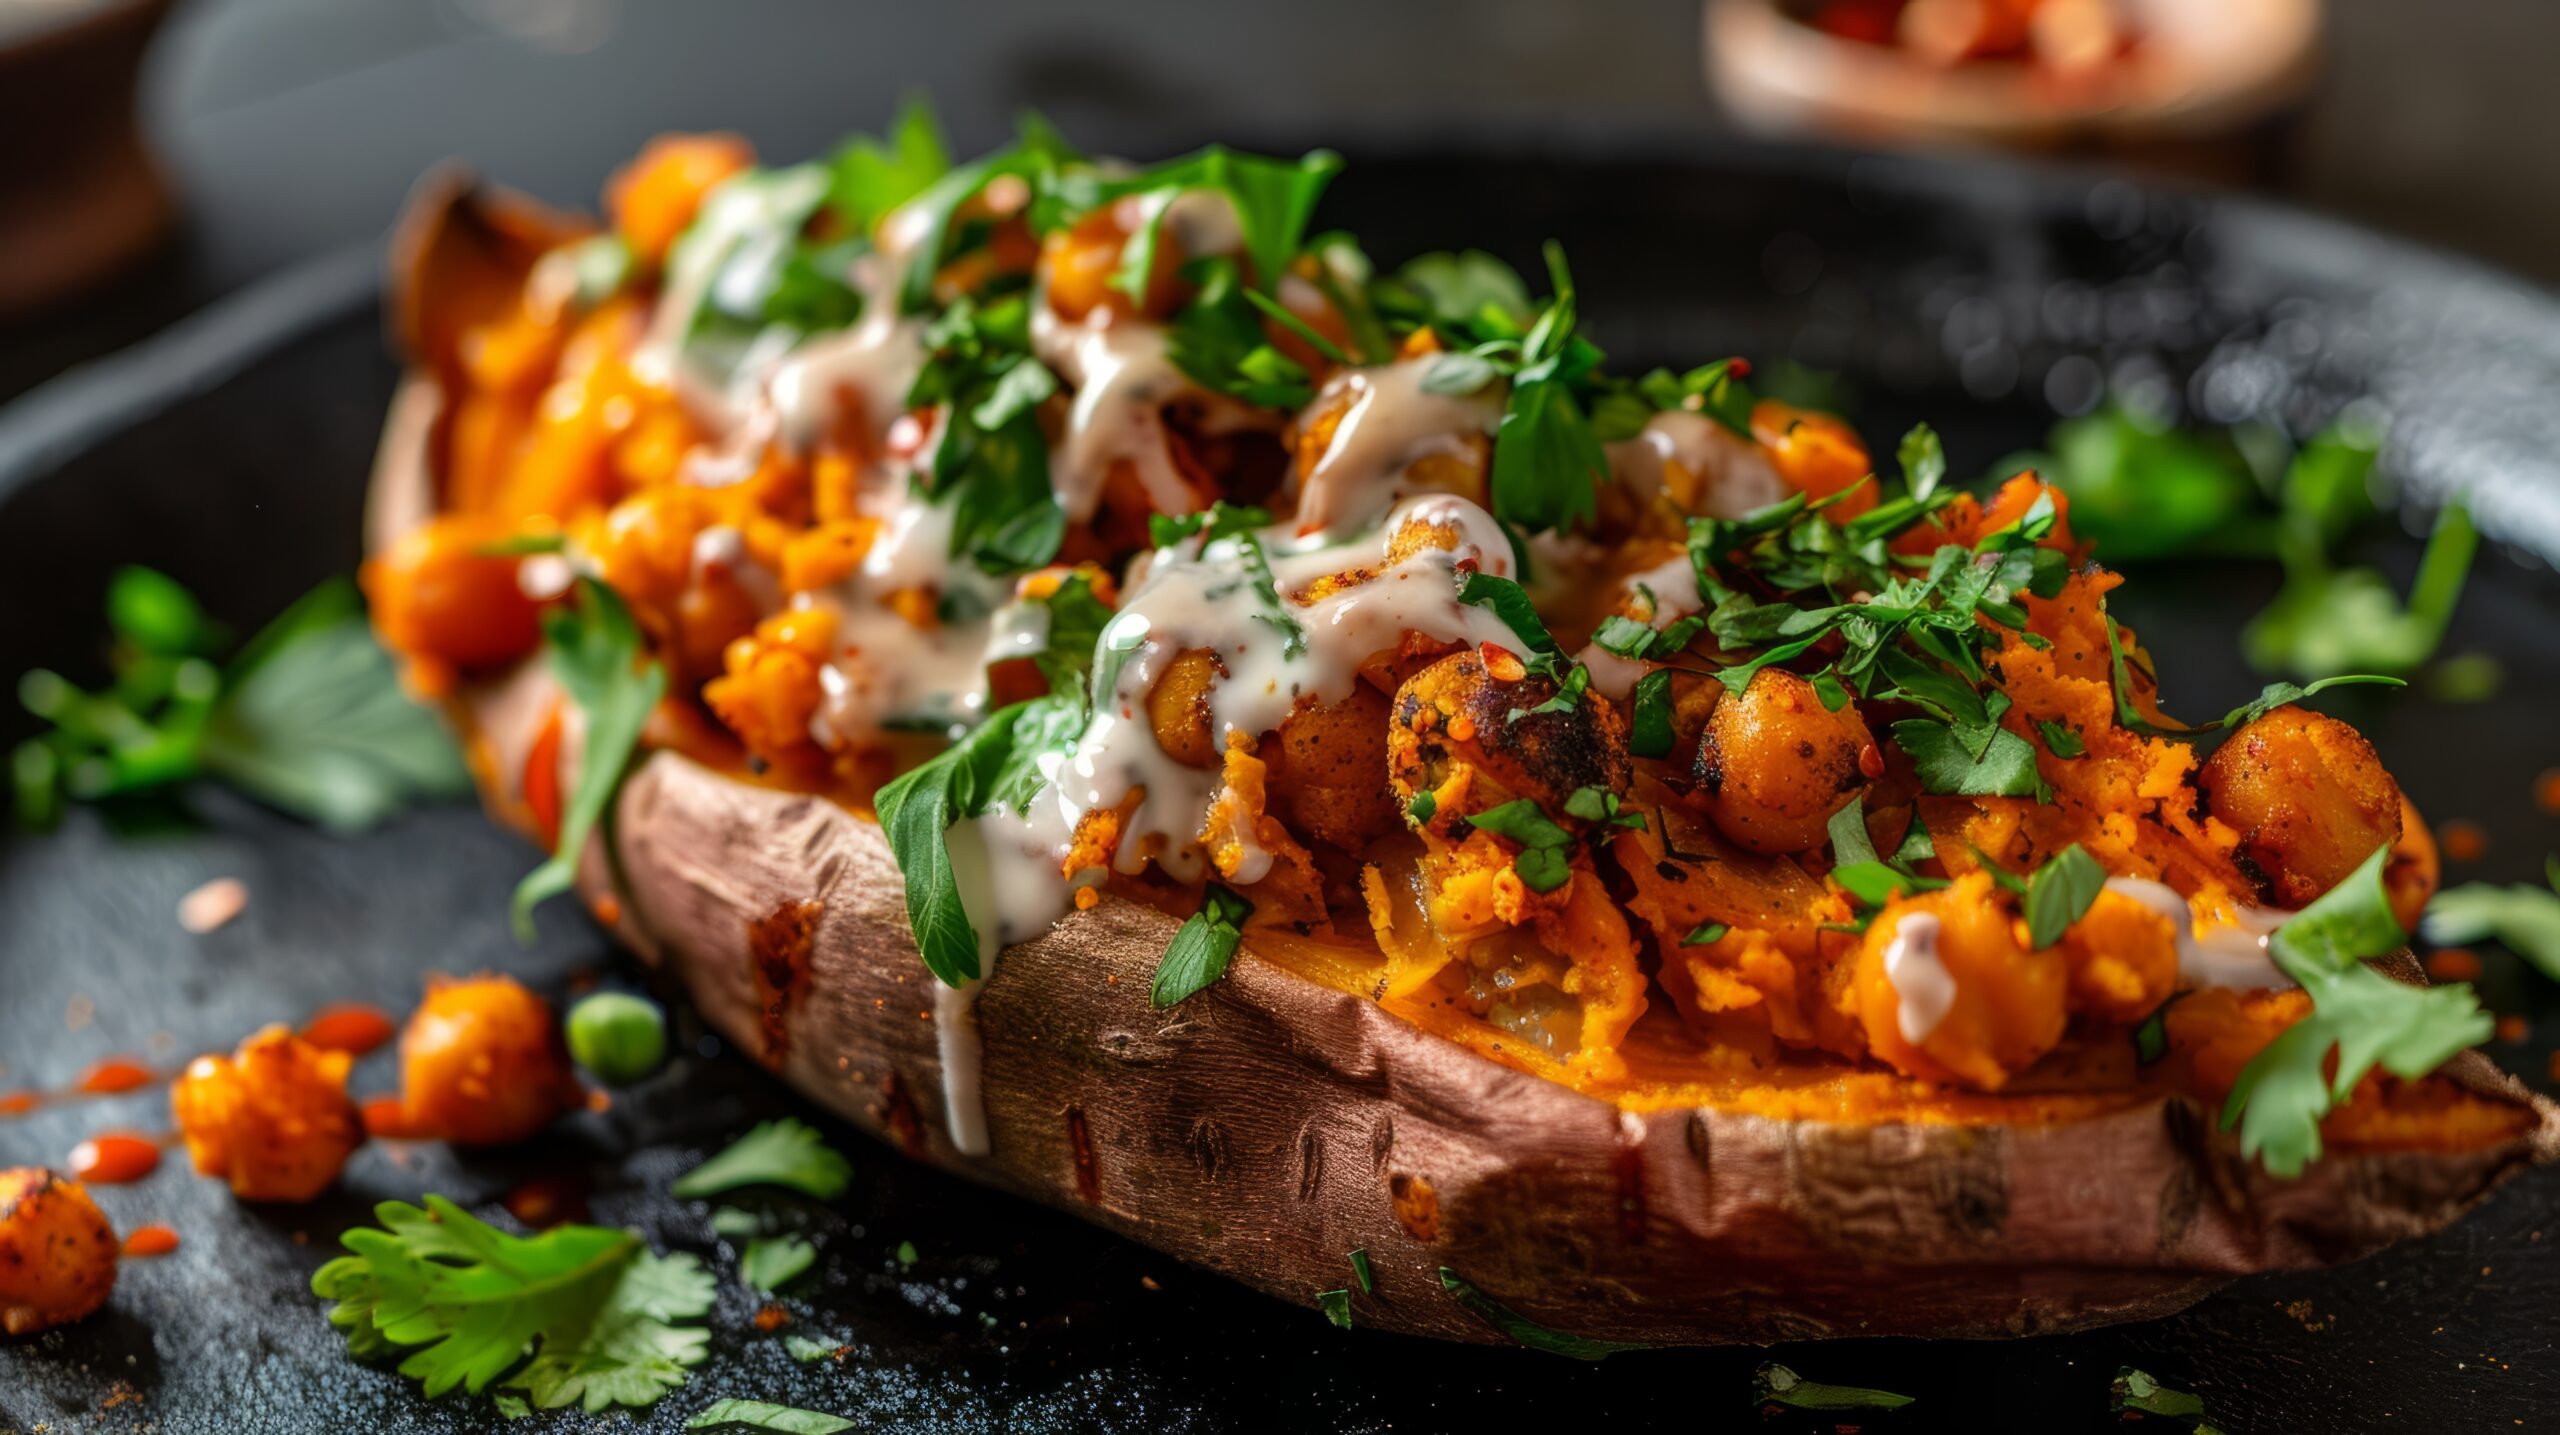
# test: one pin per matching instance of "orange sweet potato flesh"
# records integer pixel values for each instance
(1290, 1114)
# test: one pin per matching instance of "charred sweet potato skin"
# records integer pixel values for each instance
(57, 1252)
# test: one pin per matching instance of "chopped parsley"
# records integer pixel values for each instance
(597, 654)
(463, 1303)
(1523, 1330)
(2523, 918)
(772, 1262)
(1775, 1384)
(1705, 932)
(2061, 893)
(1202, 948)
(1360, 1271)
(2365, 1018)
(785, 1152)
(1336, 1305)
(765, 1416)
(1544, 863)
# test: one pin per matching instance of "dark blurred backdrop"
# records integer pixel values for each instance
(292, 126)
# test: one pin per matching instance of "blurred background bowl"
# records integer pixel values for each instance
(80, 197)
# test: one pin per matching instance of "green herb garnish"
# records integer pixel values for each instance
(773, 1262)
(1203, 947)
(598, 655)
(1336, 1305)
(2523, 918)
(1360, 1271)
(464, 1303)
(1544, 863)
(2061, 893)
(1775, 1384)
(762, 1415)
(2364, 1017)
(785, 1152)
(1705, 932)
(1524, 1330)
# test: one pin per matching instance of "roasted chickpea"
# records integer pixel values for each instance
(1079, 264)
(1328, 771)
(1454, 718)
(655, 197)
(57, 1252)
(436, 594)
(272, 1118)
(1948, 991)
(1178, 708)
(2309, 797)
(482, 1063)
(1774, 764)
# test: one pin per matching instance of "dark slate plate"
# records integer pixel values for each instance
(233, 454)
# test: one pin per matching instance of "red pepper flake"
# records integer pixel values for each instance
(2512, 1028)
(2546, 790)
(19, 1103)
(2454, 964)
(113, 1158)
(2463, 840)
(772, 1318)
(352, 1027)
(150, 1241)
(113, 1075)
(1501, 663)
(386, 1119)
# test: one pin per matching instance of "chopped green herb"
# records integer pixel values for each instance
(2005, 767)
(1523, 1330)
(2060, 893)
(808, 1352)
(522, 544)
(1360, 1271)
(1600, 805)
(2061, 741)
(1336, 1305)
(1542, 864)
(735, 1224)
(598, 655)
(1425, 803)
(1875, 884)
(868, 179)
(2366, 1018)
(2137, 1391)
(2151, 1038)
(773, 1262)
(1705, 932)
(906, 1253)
(1649, 732)
(1775, 1384)
(1202, 949)
(2523, 918)
(1924, 461)
(783, 1152)
(762, 1415)
(463, 1303)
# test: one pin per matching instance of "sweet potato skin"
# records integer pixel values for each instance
(1272, 1124)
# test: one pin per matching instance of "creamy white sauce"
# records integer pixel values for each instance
(1732, 474)
(1389, 423)
(863, 372)
(1925, 989)
(737, 218)
(2230, 956)
(1122, 381)
(1674, 586)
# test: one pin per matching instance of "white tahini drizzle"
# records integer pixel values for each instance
(1122, 381)
(1918, 976)
(1389, 423)
(2232, 956)
(1732, 474)
(1674, 586)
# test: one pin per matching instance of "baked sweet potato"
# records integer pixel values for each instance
(1293, 1111)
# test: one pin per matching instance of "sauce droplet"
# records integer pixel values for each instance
(151, 1241)
(352, 1027)
(18, 1103)
(115, 1074)
(386, 1119)
(113, 1158)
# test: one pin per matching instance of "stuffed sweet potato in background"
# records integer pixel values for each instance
(1282, 1116)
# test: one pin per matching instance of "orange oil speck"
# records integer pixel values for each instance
(2463, 840)
(150, 1241)
(387, 1119)
(115, 1074)
(113, 1158)
(352, 1027)
(19, 1103)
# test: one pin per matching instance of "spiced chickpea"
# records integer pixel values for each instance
(2309, 797)
(273, 1118)
(482, 1063)
(437, 592)
(1774, 763)
(57, 1252)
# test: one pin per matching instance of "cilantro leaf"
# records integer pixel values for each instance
(867, 179)
(2061, 741)
(1336, 1305)
(2004, 767)
(2324, 621)
(808, 1351)
(1361, 1272)
(1458, 290)
(2278, 695)
(1523, 1330)
(1705, 932)
(2061, 893)
(1511, 603)
(2523, 918)
(917, 812)
(766, 1416)
(1775, 1384)
(597, 654)
(772, 1262)
(1547, 463)
(1924, 461)
(1875, 883)
(1542, 864)
(465, 1301)
(1848, 832)
(785, 1152)
(2135, 1390)
(1218, 341)
(1649, 732)
(1201, 950)
(2366, 1018)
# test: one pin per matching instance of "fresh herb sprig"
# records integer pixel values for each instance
(2361, 1016)
(1775, 1384)
(464, 1303)
(2522, 917)
(1201, 949)
(599, 657)
(307, 717)
(784, 1152)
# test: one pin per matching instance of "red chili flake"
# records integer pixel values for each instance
(2463, 840)
(352, 1027)
(150, 1241)
(113, 1075)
